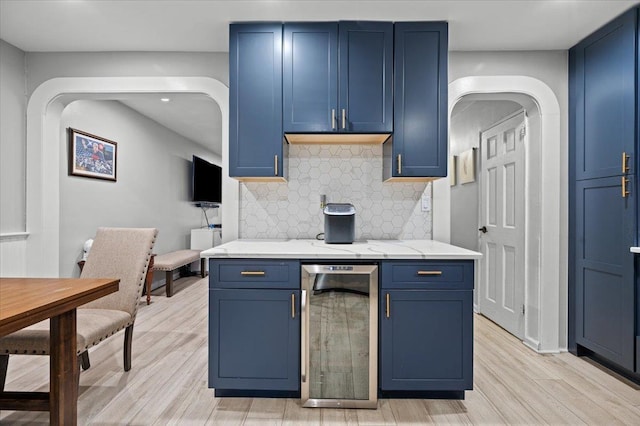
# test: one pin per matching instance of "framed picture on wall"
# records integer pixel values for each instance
(92, 156)
(453, 159)
(466, 166)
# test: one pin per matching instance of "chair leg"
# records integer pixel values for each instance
(4, 363)
(169, 284)
(128, 339)
(203, 272)
(80, 368)
(84, 360)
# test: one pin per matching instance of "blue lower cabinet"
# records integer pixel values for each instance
(254, 340)
(426, 340)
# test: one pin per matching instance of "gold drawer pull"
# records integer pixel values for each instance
(625, 158)
(256, 273)
(293, 305)
(625, 193)
(429, 272)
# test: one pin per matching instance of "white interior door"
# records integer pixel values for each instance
(501, 277)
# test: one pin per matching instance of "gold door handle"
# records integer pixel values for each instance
(399, 158)
(253, 273)
(344, 118)
(625, 166)
(275, 164)
(333, 119)
(625, 193)
(293, 305)
(388, 309)
(429, 272)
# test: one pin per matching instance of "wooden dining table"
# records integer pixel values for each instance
(26, 301)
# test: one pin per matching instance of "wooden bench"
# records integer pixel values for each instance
(169, 262)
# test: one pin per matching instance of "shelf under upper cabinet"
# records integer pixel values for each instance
(337, 138)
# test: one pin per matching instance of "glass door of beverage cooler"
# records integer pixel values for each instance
(339, 336)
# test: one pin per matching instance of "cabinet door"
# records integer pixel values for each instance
(310, 77)
(254, 339)
(426, 341)
(365, 77)
(255, 100)
(605, 302)
(419, 147)
(605, 91)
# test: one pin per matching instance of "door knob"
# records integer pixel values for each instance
(483, 229)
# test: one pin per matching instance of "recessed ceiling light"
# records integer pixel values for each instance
(165, 99)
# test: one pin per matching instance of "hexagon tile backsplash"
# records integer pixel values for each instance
(346, 174)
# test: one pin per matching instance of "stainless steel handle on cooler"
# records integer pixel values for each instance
(303, 335)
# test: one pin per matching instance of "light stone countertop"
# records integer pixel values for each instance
(316, 249)
(634, 249)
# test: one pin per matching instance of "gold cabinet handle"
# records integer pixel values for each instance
(275, 164)
(333, 119)
(399, 158)
(625, 193)
(344, 118)
(388, 309)
(625, 166)
(429, 272)
(304, 361)
(293, 305)
(252, 273)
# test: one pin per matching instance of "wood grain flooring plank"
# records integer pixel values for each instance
(382, 416)
(410, 411)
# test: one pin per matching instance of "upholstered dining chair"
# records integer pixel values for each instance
(122, 253)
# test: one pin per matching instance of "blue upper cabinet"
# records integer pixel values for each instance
(310, 77)
(365, 99)
(255, 100)
(337, 77)
(605, 75)
(419, 146)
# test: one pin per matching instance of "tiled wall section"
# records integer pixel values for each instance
(349, 173)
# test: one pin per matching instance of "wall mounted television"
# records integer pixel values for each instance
(207, 182)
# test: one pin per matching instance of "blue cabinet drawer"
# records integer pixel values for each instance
(249, 273)
(428, 275)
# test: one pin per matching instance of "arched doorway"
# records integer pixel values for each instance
(44, 141)
(545, 327)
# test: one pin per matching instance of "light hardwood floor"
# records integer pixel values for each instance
(168, 382)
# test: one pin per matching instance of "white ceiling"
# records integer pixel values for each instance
(195, 116)
(202, 25)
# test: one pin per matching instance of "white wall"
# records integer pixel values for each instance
(467, 121)
(152, 188)
(12, 138)
(44, 66)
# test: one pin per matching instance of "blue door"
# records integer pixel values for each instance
(255, 100)
(366, 77)
(604, 268)
(254, 339)
(310, 77)
(605, 86)
(426, 340)
(419, 147)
